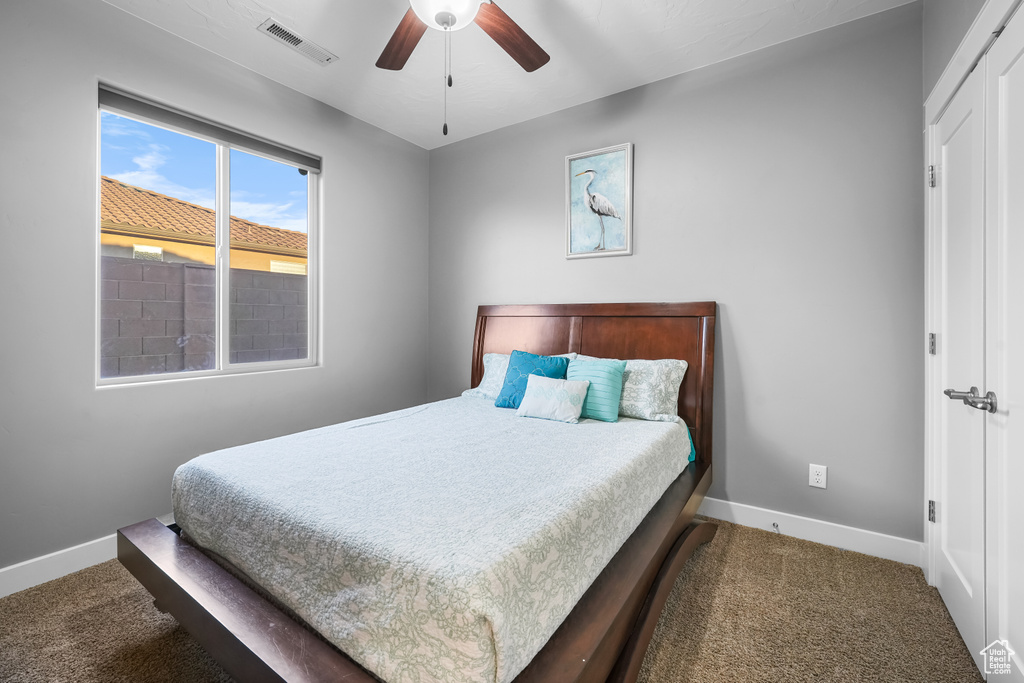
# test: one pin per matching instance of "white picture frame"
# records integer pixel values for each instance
(599, 202)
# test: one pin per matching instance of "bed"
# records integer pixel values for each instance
(601, 635)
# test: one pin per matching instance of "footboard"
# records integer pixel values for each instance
(253, 640)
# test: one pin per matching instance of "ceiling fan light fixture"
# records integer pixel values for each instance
(446, 14)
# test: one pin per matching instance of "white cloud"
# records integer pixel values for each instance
(275, 215)
(154, 159)
(149, 177)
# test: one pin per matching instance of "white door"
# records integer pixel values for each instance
(960, 498)
(1005, 357)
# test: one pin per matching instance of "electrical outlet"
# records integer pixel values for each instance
(817, 477)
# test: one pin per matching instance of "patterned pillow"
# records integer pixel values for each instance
(520, 366)
(605, 376)
(495, 367)
(650, 388)
(553, 399)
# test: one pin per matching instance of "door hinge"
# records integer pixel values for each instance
(931, 176)
(931, 511)
(931, 343)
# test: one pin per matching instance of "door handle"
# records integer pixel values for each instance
(973, 399)
(964, 396)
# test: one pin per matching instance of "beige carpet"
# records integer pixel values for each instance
(751, 606)
(757, 606)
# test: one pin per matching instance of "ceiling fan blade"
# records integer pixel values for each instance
(510, 37)
(403, 42)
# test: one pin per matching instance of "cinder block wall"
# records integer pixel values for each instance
(268, 316)
(160, 317)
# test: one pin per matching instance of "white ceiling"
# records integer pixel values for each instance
(597, 48)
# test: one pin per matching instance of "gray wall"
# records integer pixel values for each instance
(76, 462)
(786, 185)
(944, 25)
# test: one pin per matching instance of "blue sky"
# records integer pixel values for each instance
(262, 191)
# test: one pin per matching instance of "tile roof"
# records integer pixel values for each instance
(137, 207)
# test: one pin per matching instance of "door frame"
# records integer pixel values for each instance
(979, 37)
(1000, 299)
(975, 44)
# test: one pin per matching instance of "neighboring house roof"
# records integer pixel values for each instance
(127, 208)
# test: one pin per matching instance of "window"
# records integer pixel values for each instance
(207, 243)
(144, 251)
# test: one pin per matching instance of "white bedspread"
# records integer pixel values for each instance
(445, 542)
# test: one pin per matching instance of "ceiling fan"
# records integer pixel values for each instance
(452, 15)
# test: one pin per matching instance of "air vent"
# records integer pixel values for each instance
(297, 42)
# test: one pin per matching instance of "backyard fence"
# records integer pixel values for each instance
(161, 317)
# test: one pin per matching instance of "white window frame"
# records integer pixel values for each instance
(222, 365)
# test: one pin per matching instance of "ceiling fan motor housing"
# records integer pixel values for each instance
(444, 15)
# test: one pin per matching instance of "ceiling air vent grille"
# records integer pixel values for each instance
(297, 42)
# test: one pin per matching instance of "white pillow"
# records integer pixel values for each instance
(553, 399)
(650, 389)
(495, 367)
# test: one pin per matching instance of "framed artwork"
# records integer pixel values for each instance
(599, 202)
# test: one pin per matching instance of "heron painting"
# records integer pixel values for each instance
(599, 202)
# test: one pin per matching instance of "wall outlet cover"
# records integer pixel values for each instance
(818, 475)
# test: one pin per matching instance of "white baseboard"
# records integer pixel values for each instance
(827, 533)
(39, 570)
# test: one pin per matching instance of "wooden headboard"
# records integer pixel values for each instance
(636, 330)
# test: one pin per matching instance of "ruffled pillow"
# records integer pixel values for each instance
(605, 377)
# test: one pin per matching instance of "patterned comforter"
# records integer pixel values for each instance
(445, 542)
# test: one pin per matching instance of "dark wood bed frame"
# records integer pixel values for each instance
(605, 636)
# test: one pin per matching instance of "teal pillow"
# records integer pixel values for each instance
(520, 366)
(605, 376)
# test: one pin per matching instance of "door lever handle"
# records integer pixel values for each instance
(964, 396)
(973, 399)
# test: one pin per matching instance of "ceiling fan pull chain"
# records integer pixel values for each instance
(447, 68)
